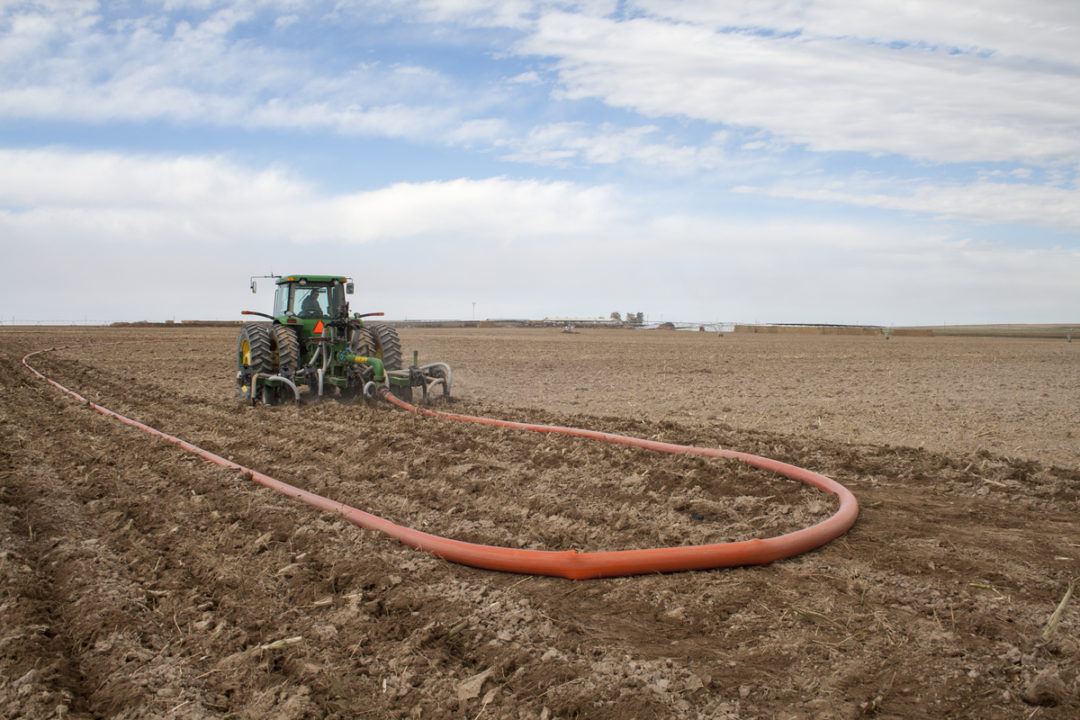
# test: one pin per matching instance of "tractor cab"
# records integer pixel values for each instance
(311, 297)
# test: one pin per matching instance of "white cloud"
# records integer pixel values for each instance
(492, 210)
(1017, 28)
(980, 203)
(198, 226)
(827, 92)
(995, 80)
(785, 271)
(493, 13)
(53, 179)
(284, 21)
(109, 198)
(526, 78)
(576, 143)
(75, 66)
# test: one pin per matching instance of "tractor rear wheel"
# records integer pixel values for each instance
(253, 354)
(285, 360)
(286, 349)
(253, 347)
(381, 341)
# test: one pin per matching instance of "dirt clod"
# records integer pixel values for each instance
(1046, 689)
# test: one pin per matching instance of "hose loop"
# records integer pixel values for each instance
(570, 563)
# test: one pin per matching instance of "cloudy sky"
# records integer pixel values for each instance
(892, 162)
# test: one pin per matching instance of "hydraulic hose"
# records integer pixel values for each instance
(570, 563)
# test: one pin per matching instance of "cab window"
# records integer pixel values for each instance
(309, 302)
(281, 300)
(337, 298)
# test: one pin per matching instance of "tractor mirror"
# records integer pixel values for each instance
(253, 286)
(349, 288)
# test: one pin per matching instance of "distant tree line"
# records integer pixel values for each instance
(631, 318)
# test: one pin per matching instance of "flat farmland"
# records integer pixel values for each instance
(137, 580)
(1013, 397)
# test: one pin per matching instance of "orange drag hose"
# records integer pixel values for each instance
(570, 563)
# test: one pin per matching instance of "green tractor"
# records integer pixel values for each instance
(312, 340)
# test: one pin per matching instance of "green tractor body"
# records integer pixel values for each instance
(311, 340)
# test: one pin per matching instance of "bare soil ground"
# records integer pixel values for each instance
(139, 581)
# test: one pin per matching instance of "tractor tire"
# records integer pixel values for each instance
(381, 341)
(285, 346)
(253, 354)
(253, 348)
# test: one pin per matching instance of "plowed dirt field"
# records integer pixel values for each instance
(139, 581)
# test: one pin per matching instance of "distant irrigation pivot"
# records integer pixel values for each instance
(569, 564)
